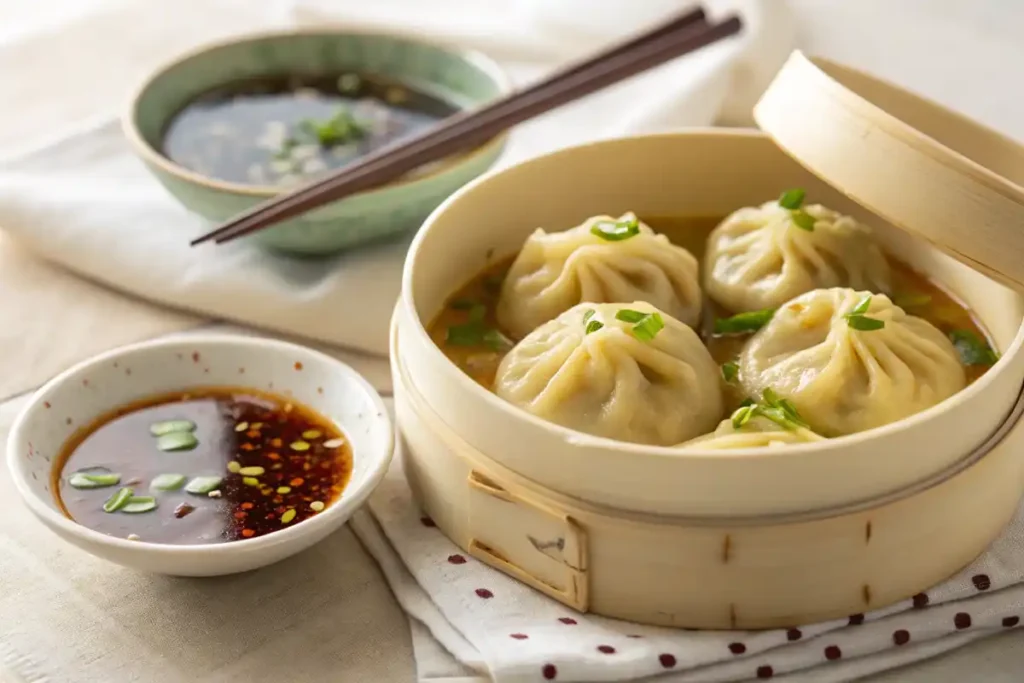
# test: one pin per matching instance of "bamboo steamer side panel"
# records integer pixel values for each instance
(702, 573)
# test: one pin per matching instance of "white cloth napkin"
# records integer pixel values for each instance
(84, 201)
(516, 634)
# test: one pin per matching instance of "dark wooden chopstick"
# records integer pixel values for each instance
(470, 129)
(265, 212)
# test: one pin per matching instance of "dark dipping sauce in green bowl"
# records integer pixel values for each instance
(288, 130)
(207, 465)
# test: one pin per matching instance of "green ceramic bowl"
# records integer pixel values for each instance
(462, 77)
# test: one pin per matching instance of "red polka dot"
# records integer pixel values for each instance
(962, 620)
(765, 671)
(667, 661)
(1010, 622)
(794, 634)
(920, 600)
(901, 637)
(456, 559)
(549, 672)
(981, 582)
(518, 636)
(427, 521)
(484, 593)
(737, 648)
(567, 620)
(856, 619)
(833, 652)
(606, 649)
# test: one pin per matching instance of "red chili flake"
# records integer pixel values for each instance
(273, 456)
(276, 443)
(246, 505)
(248, 532)
(326, 465)
(567, 620)
(456, 559)
(252, 433)
(606, 649)
(278, 499)
(549, 671)
(518, 636)
(241, 514)
(667, 661)
(297, 481)
(271, 516)
(298, 365)
(46, 404)
(246, 446)
(306, 467)
(484, 593)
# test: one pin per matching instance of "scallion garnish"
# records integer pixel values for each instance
(779, 410)
(475, 332)
(911, 300)
(118, 500)
(803, 220)
(203, 485)
(858, 321)
(972, 349)
(729, 371)
(588, 314)
(743, 323)
(138, 504)
(593, 326)
(167, 482)
(616, 231)
(646, 326)
(792, 199)
(171, 426)
(337, 130)
(177, 441)
(85, 480)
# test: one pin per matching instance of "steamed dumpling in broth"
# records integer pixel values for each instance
(621, 371)
(760, 257)
(603, 260)
(758, 432)
(850, 361)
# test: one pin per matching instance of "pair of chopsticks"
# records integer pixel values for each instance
(469, 129)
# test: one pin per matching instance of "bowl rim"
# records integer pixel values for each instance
(329, 517)
(576, 438)
(153, 156)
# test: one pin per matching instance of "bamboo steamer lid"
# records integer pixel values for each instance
(925, 169)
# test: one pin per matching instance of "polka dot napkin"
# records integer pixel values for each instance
(497, 626)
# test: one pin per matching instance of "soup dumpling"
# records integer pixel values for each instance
(850, 361)
(761, 257)
(621, 371)
(758, 432)
(603, 260)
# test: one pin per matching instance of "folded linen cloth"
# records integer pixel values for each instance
(495, 626)
(86, 203)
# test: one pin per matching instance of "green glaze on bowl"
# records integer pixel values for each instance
(463, 78)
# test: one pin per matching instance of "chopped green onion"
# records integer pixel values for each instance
(743, 415)
(649, 327)
(138, 504)
(588, 314)
(786, 409)
(792, 199)
(862, 306)
(858, 321)
(177, 441)
(912, 300)
(495, 340)
(627, 315)
(972, 349)
(171, 426)
(118, 500)
(462, 304)
(593, 326)
(729, 371)
(616, 231)
(339, 129)
(167, 482)
(477, 312)
(803, 220)
(84, 480)
(203, 485)
(747, 402)
(864, 323)
(743, 323)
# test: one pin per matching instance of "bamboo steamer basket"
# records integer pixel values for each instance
(746, 538)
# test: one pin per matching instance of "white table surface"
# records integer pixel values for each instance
(967, 54)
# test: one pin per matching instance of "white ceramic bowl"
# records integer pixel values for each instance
(84, 392)
(698, 172)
